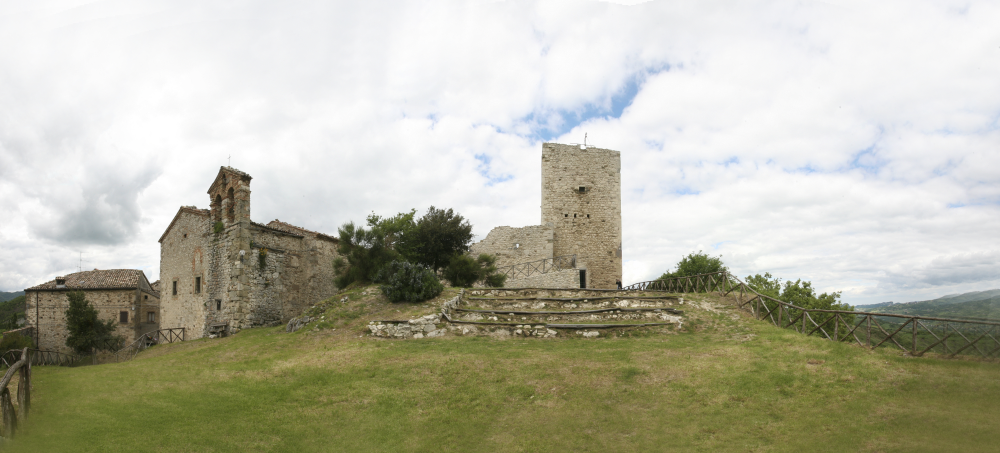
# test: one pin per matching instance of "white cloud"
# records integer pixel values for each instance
(848, 143)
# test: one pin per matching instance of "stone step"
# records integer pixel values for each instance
(509, 305)
(640, 315)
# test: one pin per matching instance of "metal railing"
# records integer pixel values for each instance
(541, 266)
(915, 335)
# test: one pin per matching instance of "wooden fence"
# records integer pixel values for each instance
(39, 357)
(11, 416)
(538, 267)
(917, 335)
(149, 339)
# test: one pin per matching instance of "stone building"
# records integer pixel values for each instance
(581, 216)
(124, 295)
(221, 272)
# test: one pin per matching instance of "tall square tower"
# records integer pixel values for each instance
(582, 199)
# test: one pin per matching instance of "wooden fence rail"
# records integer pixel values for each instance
(39, 357)
(149, 339)
(538, 267)
(916, 335)
(9, 415)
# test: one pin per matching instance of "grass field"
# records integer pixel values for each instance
(734, 384)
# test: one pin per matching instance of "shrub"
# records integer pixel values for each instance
(409, 282)
(463, 270)
(696, 264)
(218, 227)
(262, 258)
(15, 342)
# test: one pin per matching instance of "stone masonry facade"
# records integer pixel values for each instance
(220, 272)
(516, 245)
(582, 197)
(122, 295)
(581, 215)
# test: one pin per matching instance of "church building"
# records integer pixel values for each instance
(221, 272)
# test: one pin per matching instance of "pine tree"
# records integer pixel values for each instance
(86, 332)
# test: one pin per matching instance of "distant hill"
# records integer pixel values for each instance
(4, 296)
(977, 304)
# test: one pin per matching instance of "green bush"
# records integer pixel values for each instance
(15, 342)
(464, 271)
(409, 282)
(696, 264)
(218, 227)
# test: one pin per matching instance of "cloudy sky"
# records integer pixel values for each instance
(852, 144)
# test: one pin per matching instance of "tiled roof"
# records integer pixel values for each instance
(279, 225)
(96, 279)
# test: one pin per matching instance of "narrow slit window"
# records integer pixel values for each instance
(175, 287)
(197, 285)
(218, 304)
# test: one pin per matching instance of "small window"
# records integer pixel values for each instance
(218, 304)
(123, 317)
(574, 216)
(185, 235)
(151, 317)
(588, 216)
(565, 215)
(583, 189)
(175, 287)
(145, 297)
(60, 283)
(197, 285)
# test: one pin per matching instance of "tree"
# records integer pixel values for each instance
(801, 294)
(86, 332)
(696, 264)
(365, 251)
(464, 271)
(437, 237)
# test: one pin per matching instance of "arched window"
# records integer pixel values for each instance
(232, 206)
(217, 208)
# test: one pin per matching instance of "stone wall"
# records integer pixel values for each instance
(186, 252)
(252, 274)
(563, 278)
(47, 311)
(516, 245)
(587, 221)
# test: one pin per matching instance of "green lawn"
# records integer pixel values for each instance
(735, 386)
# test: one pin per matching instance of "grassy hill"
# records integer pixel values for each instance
(723, 382)
(979, 304)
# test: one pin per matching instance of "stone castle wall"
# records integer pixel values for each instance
(516, 245)
(587, 222)
(564, 278)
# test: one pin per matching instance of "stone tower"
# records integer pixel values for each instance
(581, 198)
